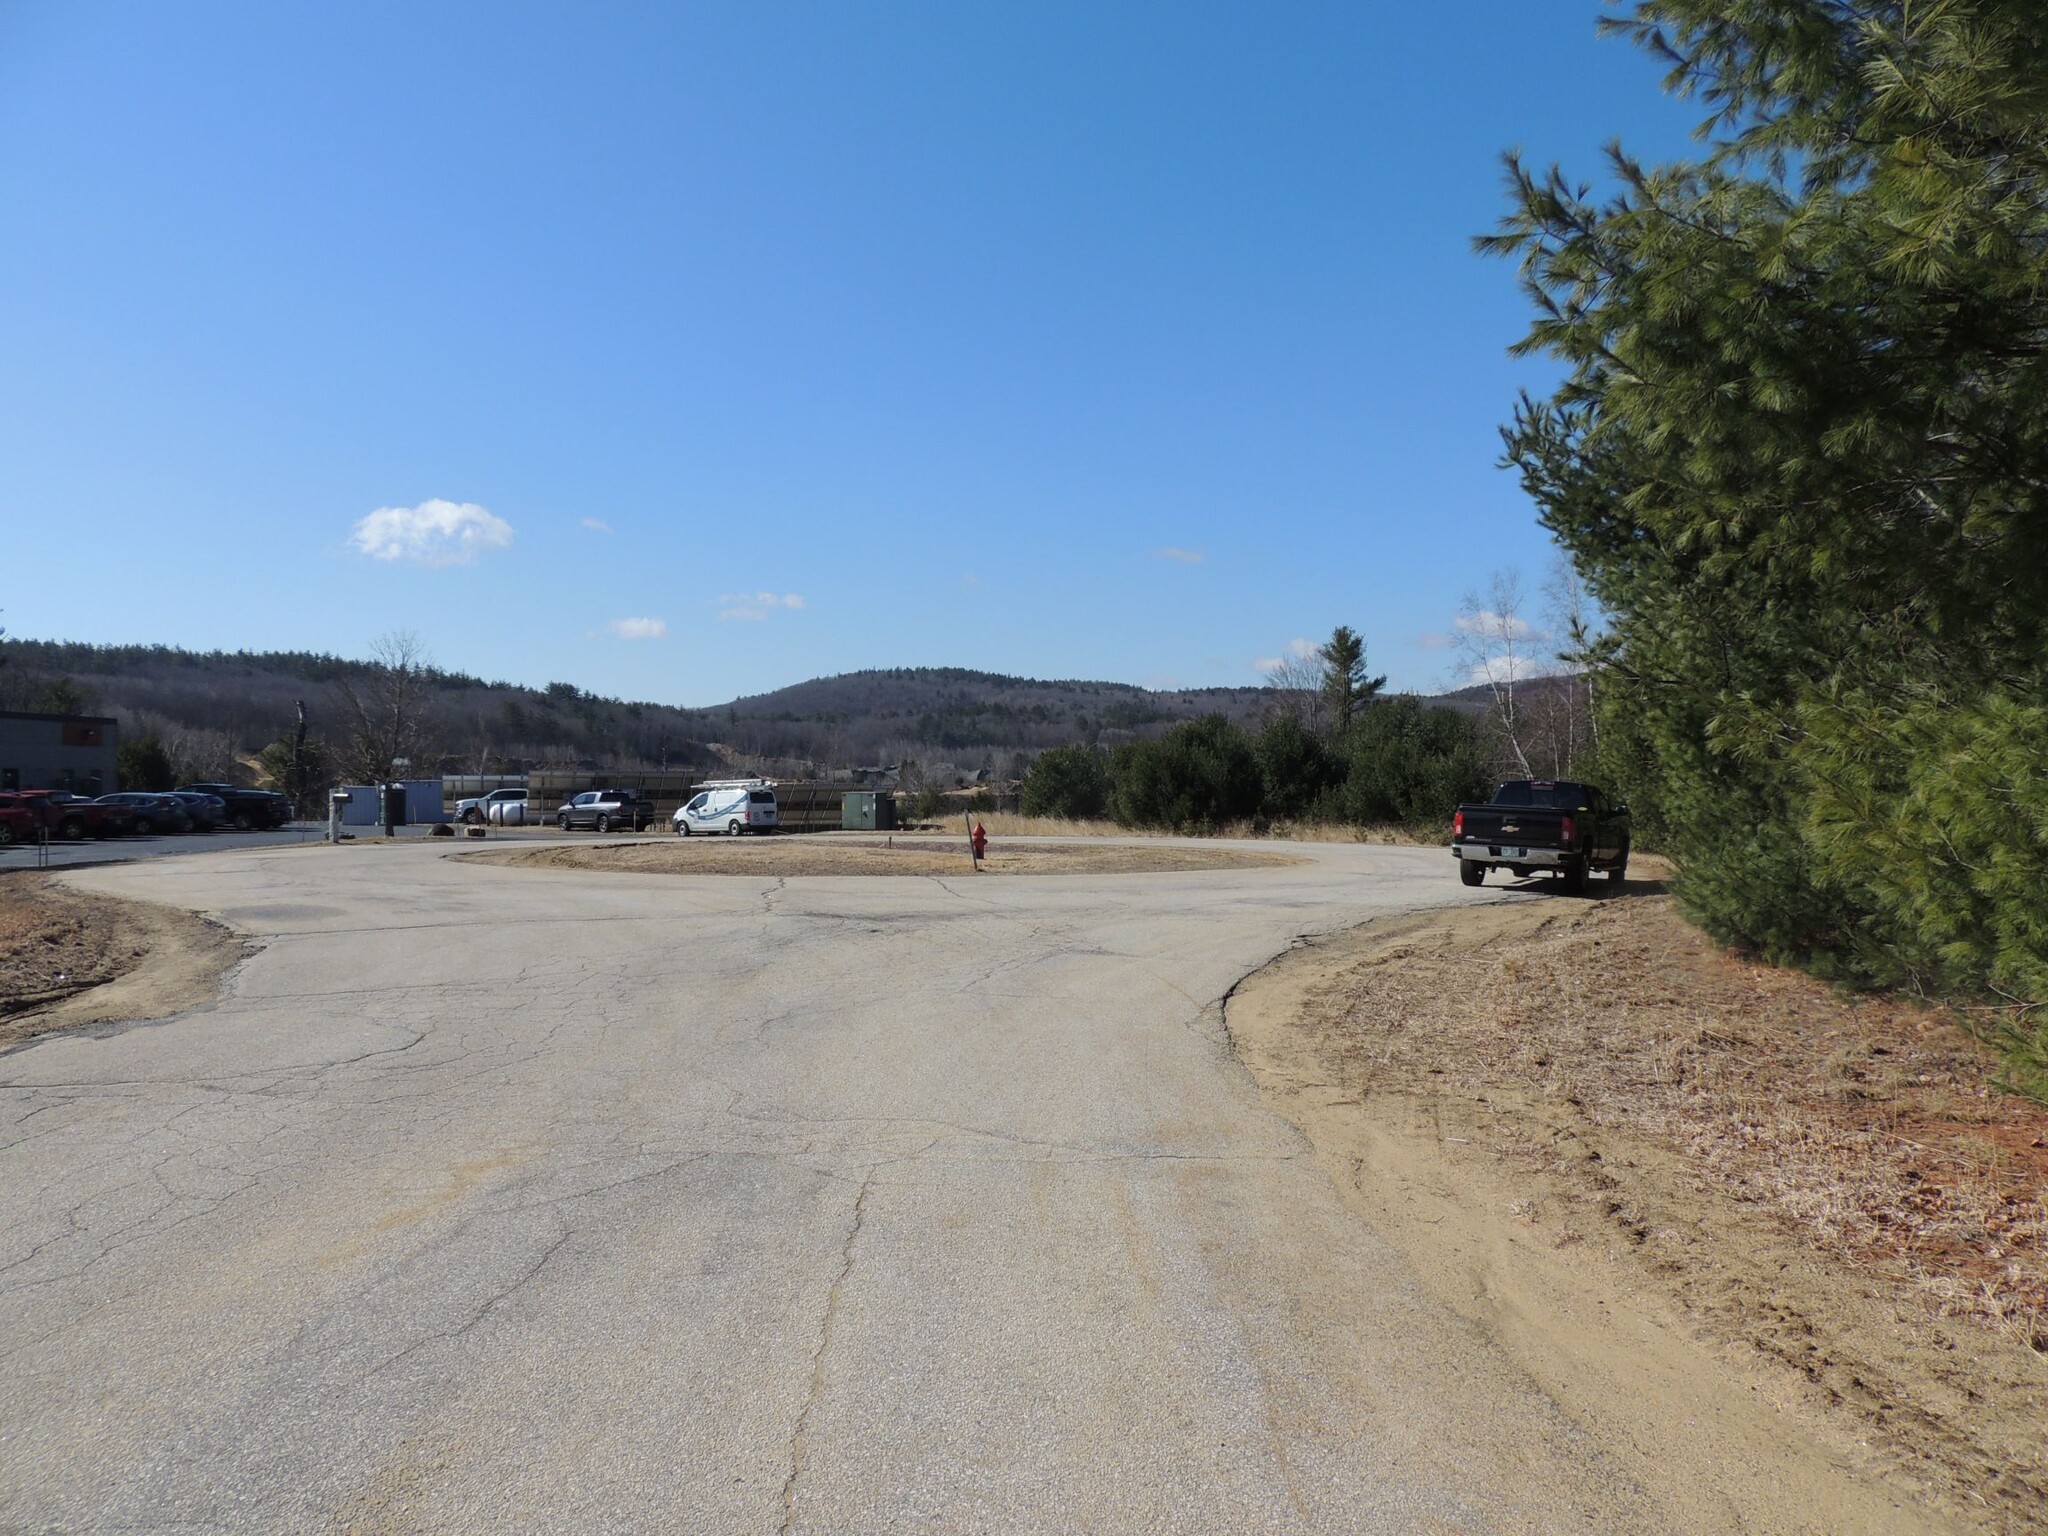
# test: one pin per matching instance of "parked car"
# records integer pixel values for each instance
(19, 821)
(731, 806)
(246, 808)
(1558, 825)
(207, 811)
(606, 809)
(70, 817)
(480, 809)
(150, 813)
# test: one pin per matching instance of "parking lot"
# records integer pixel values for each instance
(123, 850)
(495, 1197)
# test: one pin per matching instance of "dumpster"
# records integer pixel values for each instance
(867, 810)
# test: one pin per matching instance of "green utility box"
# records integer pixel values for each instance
(867, 810)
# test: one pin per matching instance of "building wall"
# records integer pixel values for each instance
(75, 752)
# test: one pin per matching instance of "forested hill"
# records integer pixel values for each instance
(235, 703)
(220, 706)
(963, 716)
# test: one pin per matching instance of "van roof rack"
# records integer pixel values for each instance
(736, 784)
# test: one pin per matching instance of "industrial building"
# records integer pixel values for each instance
(74, 752)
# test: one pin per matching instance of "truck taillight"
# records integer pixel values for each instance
(1571, 832)
(1457, 823)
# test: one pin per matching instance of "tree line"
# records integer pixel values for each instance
(1800, 458)
(1333, 751)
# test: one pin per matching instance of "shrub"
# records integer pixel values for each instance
(1199, 776)
(1407, 762)
(1295, 767)
(1070, 782)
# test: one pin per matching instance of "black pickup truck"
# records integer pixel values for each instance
(246, 808)
(1559, 825)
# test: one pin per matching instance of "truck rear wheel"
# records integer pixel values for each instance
(1574, 874)
(1471, 871)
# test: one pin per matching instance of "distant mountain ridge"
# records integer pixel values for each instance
(931, 715)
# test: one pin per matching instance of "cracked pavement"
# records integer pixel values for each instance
(497, 1199)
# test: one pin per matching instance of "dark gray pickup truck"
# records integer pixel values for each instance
(1557, 825)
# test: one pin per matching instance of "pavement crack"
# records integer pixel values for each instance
(799, 1436)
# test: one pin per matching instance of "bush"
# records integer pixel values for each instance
(1295, 767)
(1407, 762)
(1069, 782)
(1199, 776)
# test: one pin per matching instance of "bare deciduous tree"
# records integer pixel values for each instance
(1497, 647)
(384, 726)
(1297, 683)
(1573, 729)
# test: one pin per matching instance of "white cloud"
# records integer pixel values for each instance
(1265, 663)
(638, 629)
(754, 606)
(432, 533)
(1302, 649)
(1506, 669)
(594, 524)
(1180, 556)
(1495, 626)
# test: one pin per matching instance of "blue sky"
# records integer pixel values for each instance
(687, 351)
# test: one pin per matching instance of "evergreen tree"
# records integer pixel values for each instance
(141, 763)
(1070, 782)
(1801, 458)
(1346, 688)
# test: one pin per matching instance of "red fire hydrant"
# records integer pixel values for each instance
(978, 841)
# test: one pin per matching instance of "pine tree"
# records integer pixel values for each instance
(1801, 458)
(1346, 688)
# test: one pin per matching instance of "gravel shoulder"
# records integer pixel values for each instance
(1786, 1245)
(70, 958)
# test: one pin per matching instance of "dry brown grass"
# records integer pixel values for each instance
(69, 957)
(1011, 824)
(54, 942)
(903, 854)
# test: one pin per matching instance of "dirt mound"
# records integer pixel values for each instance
(1714, 1206)
(69, 958)
(879, 856)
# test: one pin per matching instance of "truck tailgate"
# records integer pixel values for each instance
(1526, 826)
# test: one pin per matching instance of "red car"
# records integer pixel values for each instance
(72, 817)
(19, 822)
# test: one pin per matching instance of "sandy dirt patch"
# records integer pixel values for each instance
(1788, 1245)
(69, 958)
(907, 856)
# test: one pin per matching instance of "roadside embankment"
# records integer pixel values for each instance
(1786, 1244)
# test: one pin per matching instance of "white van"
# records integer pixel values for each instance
(731, 806)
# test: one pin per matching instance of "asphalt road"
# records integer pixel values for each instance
(495, 1199)
(123, 850)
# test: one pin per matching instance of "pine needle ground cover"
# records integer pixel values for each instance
(1824, 1179)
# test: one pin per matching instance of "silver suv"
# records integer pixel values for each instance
(606, 810)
